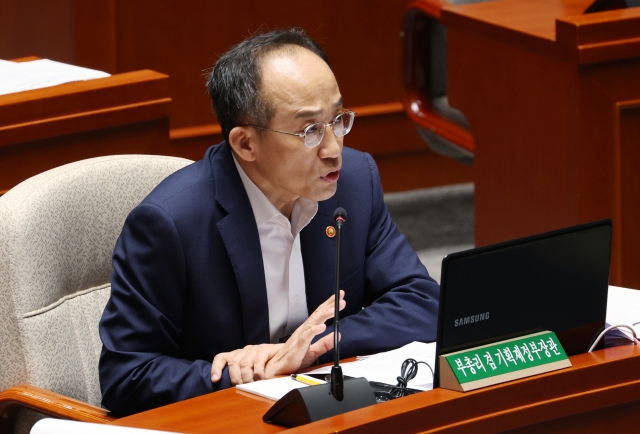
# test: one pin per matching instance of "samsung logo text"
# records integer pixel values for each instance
(471, 319)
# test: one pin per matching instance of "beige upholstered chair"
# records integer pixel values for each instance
(57, 234)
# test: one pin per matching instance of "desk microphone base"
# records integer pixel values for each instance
(309, 404)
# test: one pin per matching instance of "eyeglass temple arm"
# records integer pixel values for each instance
(278, 131)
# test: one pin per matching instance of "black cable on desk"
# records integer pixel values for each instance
(408, 372)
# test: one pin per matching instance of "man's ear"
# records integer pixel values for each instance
(243, 142)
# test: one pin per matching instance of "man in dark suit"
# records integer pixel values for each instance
(224, 273)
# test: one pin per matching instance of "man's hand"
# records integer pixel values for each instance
(257, 362)
(245, 365)
(298, 352)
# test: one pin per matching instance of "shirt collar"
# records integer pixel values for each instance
(263, 210)
(303, 211)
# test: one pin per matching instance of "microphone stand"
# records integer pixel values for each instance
(312, 403)
(337, 379)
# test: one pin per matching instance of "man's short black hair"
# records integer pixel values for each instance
(235, 80)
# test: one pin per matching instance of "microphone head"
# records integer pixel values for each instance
(340, 214)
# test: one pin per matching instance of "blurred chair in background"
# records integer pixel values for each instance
(444, 128)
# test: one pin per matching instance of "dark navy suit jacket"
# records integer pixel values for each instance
(189, 283)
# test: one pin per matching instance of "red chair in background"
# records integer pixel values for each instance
(444, 128)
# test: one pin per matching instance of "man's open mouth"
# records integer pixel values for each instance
(331, 176)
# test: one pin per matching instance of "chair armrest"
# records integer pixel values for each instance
(432, 8)
(46, 402)
(416, 99)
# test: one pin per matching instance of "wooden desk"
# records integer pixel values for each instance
(600, 393)
(45, 128)
(553, 100)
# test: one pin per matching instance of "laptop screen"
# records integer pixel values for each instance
(554, 281)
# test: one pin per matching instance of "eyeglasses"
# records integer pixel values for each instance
(314, 133)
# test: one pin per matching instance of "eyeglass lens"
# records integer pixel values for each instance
(341, 125)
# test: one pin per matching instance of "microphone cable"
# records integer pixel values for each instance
(408, 372)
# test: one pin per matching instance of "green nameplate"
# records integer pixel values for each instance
(502, 361)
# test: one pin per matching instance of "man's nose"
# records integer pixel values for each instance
(330, 147)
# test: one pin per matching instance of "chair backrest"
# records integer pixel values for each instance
(438, 59)
(57, 234)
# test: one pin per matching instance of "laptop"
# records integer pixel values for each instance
(555, 281)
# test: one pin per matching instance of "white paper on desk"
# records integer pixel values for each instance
(37, 74)
(273, 389)
(7, 66)
(385, 367)
(56, 426)
(10, 78)
(623, 307)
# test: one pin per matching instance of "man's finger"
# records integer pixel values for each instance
(300, 343)
(264, 354)
(317, 349)
(329, 301)
(327, 309)
(219, 362)
(315, 324)
(323, 345)
(246, 370)
(297, 352)
(235, 373)
(245, 360)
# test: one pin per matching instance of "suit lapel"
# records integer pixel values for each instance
(319, 255)
(240, 235)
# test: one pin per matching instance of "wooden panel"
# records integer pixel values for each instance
(36, 27)
(524, 23)
(534, 18)
(596, 422)
(524, 130)
(420, 169)
(602, 87)
(629, 184)
(21, 161)
(600, 37)
(45, 128)
(554, 28)
(604, 384)
(95, 34)
(602, 27)
(544, 116)
(82, 106)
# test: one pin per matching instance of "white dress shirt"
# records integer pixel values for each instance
(282, 257)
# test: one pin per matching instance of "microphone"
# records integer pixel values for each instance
(312, 403)
(337, 379)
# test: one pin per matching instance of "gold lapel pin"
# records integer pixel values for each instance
(330, 231)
